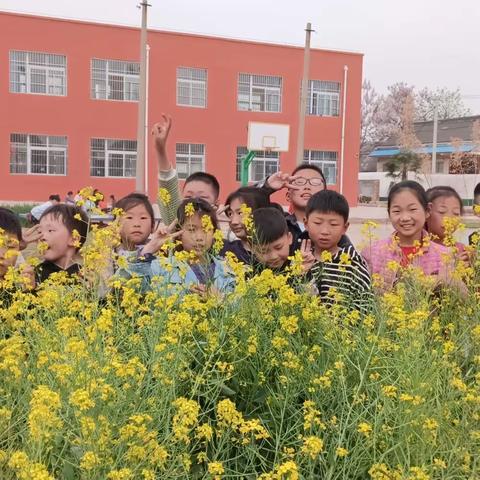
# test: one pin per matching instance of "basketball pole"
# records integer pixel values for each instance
(304, 95)
(245, 165)
(142, 101)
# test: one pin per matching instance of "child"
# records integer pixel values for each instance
(136, 223)
(409, 244)
(272, 240)
(253, 198)
(10, 240)
(474, 237)
(336, 269)
(198, 185)
(305, 181)
(63, 230)
(200, 269)
(444, 202)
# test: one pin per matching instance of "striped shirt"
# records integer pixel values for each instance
(346, 273)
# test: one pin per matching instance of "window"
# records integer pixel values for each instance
(38, 73)
(259, 93)
(323, 98)
(263, 165)
(190, 158)
(112, 158)
(38, 154)
(115, 80)
(327, 161)
(192, 87)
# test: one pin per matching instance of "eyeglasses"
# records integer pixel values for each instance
(314, 182)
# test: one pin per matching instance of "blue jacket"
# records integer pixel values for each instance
(175, 276)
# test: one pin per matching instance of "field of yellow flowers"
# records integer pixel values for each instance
(264, 383)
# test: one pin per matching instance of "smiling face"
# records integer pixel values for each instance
(299, 198)
(135, 226)
(408, 217)
(325, 230)
(59, 240)
(274, 254)
(235, 218)
(441, 208)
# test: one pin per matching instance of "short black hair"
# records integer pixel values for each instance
(55, 196)
(444, 191)
(69, 192)
(476, 191)
(310, 166)
(252, 197)
(270, 225)
(132, 200)
(207, 178)
(414, 187)
(10, 223)
(66, 214)
(328, 201)
(200, 207)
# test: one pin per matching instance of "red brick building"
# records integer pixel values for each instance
(68, 96)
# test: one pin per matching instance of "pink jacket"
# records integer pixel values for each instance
(432, 258)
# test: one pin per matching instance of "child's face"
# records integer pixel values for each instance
(60, 242)
(441, 208)
(407, 216)
(235, 219)
(195, 237)
(325, 229)
(202, 190)
(274, 254)
(9, 251)
(299, 198)
(135, 225)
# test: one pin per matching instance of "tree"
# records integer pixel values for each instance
(402, 163)
(449, 104)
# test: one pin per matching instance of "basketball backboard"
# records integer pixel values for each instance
(268, 137)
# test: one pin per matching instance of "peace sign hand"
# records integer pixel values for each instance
(307, 255)
(160, 236)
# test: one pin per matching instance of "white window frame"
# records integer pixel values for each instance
(186, 80)
(267, 162)
(251, 87)
(127, 154)
(51, 148)
(185, 153)
(324, 98)
(324, 160)
(32, 66)
(128, 79)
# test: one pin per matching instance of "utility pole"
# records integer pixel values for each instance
(142, 103)
(304, 95)
(435, 136)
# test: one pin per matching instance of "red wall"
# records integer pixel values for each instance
(220, 126)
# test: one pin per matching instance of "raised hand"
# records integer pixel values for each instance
(280, 180)
(29, 236)
(161, 235)
(307, 255)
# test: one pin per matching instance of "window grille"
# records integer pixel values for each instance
(190, 158)
(113, 158)
(33, 154)
(192, 87)
(259, 93)
(327, 161)
(263, 165)
(323, 98)
(115, 80)
(38, 73)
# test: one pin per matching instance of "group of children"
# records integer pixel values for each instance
(313, 233)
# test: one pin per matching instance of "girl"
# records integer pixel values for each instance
(253, 198)
(444, 202)
(198, 268)
(409, 244)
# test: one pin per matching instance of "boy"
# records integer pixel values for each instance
(305, 181)
(339, 268)
(198, 185)
(63, 230)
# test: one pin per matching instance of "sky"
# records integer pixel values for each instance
(432, 43)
